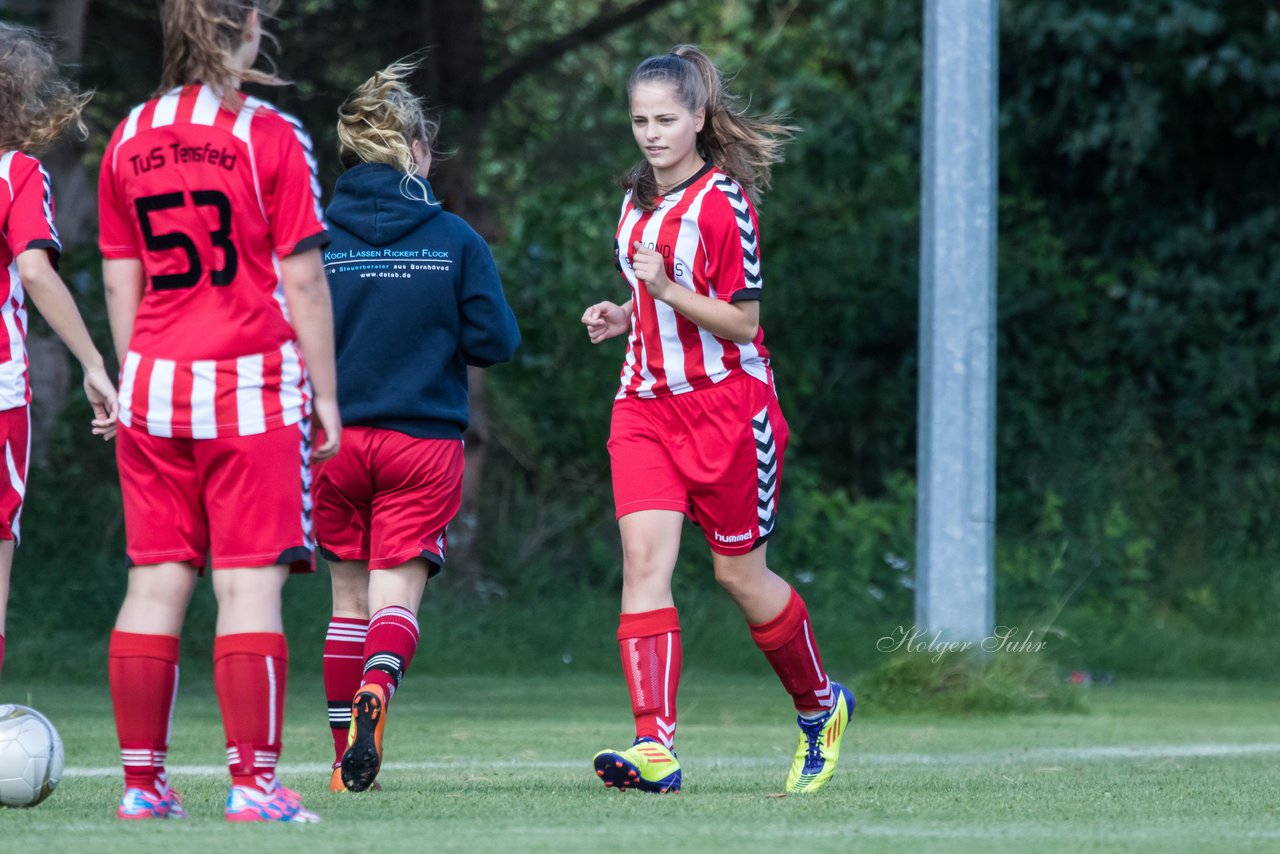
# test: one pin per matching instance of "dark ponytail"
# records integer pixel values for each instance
(744, 147)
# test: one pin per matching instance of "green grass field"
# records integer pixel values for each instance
(476, 764)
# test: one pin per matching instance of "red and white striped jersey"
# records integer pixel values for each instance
(26, 222)
(210, 199)
(706, 229)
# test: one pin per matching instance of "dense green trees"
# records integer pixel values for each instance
(1139, 300)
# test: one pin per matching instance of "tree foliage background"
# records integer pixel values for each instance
(1139, 305)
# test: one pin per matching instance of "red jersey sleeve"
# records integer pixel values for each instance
(729, 233)
(30, 224)
(117, 234)
(291, 187)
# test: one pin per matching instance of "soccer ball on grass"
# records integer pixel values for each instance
(30, 757)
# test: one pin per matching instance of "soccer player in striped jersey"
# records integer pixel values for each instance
(36, 107)
(696, 427)
(417, 299)
(211, 237)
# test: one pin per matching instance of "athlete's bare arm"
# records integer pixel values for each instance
(306, 290)
(124, 281)
(50, 296)
(736, 321)
(606, 320)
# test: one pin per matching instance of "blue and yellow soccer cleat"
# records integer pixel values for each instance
(819, 748)
(647, 765)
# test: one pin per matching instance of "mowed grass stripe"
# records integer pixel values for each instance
(1001, 757)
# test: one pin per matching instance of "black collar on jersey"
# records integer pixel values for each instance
(707, 166)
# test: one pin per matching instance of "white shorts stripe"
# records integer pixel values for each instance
(292, 400)
(249, 395)
(128, 378)
(160, 398)
(204, 387)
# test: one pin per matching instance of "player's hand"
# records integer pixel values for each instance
(651, 269)
(102, 397)
(325, 410)
(604, 320)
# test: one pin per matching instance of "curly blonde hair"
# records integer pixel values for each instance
(382, 118)
(201, 36)
(36, 104)
(744, 147)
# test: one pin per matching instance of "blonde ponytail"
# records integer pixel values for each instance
(744, 147)
(36, 104)
(382, 118)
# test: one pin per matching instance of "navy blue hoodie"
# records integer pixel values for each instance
(416, 298)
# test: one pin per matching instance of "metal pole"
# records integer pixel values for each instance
(955, 526)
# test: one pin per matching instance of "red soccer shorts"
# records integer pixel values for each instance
(387, 497)
(243, 498)
(15, 433)
(714, 454)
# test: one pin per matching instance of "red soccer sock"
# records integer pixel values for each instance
(389, 648)
(249, 674)
(343, 665)
(143, 671)
(787, 641)
(650, 646)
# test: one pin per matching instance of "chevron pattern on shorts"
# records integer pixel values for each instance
(766, 470)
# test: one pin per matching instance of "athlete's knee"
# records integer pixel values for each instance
(248, 588)
(351, 596)
(643, 561)
(350, 605)
(739, 572)
(167, 590)
(400, 586)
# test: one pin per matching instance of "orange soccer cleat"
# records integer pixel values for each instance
(363, 758)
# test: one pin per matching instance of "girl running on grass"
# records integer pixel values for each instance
(696, 427)
(36, 108)
(416, 299)
(211, 235)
